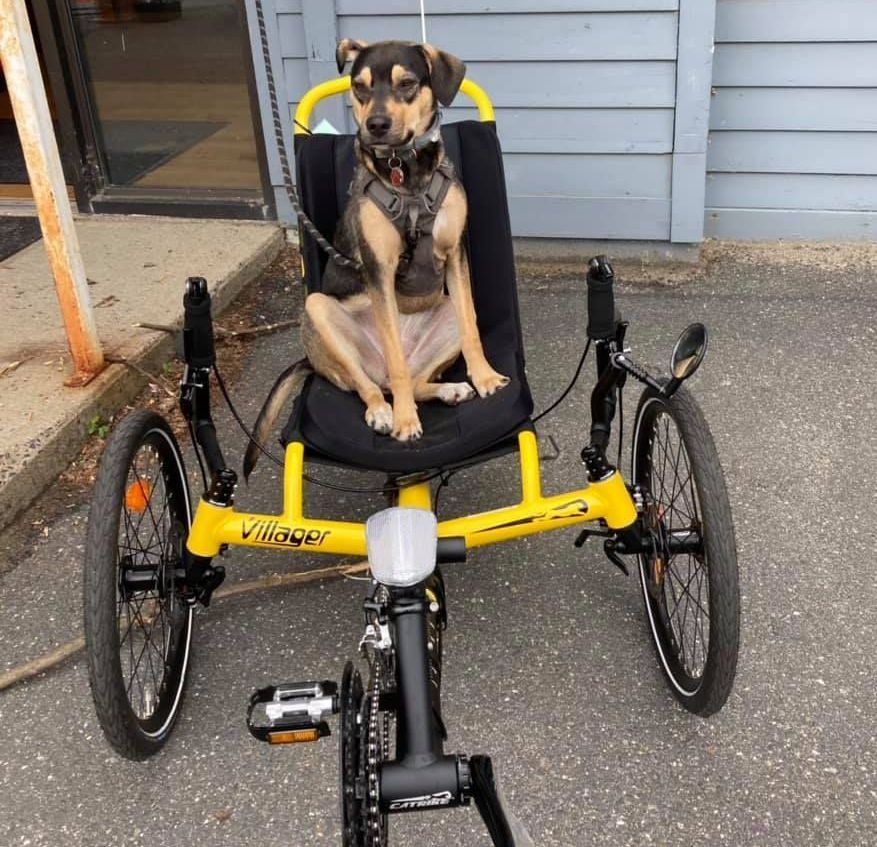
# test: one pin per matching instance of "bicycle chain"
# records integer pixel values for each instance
(373, 822)
(376, 831)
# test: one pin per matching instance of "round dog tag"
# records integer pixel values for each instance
(397, 175)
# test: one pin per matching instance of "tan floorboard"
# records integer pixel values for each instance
(225, 159)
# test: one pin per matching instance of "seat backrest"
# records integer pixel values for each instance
(324, 165)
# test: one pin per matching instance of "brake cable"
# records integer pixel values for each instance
(566, 391)
(444, 475)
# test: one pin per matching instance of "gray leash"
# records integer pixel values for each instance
(288, 184)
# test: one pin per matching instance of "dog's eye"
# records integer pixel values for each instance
(360, 90)
(407, 85)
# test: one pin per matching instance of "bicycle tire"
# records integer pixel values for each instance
(672, 440)
(137, 526)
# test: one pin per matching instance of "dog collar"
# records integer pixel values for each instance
(410, 148)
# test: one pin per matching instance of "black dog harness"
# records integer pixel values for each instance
(413, 216)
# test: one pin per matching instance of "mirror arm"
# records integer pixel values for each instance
(671, 387)
(621, 361)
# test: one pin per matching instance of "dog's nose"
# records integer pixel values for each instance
(378, 125)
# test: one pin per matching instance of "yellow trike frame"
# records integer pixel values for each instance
(213, 526)
(607, 500)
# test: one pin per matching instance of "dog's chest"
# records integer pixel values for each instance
(419, 274)
(413, 216)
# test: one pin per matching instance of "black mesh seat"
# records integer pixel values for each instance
(330, 422)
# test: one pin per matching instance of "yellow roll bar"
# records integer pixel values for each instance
(338, 86)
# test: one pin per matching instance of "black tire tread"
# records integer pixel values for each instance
(101, 631)
(721, 667)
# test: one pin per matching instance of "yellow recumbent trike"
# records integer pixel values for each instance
(149, 561)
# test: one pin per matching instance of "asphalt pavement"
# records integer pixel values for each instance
(548, 665)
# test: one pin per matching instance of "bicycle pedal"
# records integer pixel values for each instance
(292, 713)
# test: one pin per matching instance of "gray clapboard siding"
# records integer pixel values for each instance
(576, 85)
(616, 86)
(579, 130)
(795, 65)
(811, 192)
(467, 7)
(511, 38)
(793, 142)
(585, 92)
(693, 77)
(770, 224)
(292, 36)
(609, 85)
(796, 20)
(295, 71)
(636, 218)
(588, 176)
(794, 152)
(275, 62)
(821, 109)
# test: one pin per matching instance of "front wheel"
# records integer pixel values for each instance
(137, 625)
(689, 580)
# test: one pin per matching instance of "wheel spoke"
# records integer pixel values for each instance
(684, 598)
(148, 538)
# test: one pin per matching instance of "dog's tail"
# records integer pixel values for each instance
(289, 382)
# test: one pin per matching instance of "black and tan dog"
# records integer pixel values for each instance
(392, 328)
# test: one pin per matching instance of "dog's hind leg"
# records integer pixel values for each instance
(436, 348)
(343, 353)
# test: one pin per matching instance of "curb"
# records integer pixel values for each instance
(115, 387)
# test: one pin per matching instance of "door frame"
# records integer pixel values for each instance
(81, 149)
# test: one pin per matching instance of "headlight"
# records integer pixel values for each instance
(401, 545)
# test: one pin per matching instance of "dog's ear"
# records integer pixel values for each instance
(446, 72)
(347, 51)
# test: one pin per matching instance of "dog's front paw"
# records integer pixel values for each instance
(406, 425)
(379, 416)
(487, 381)
(454, 393)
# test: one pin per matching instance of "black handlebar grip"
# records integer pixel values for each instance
(601, 299)
(198, 345)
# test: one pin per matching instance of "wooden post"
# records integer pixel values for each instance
(34, 122)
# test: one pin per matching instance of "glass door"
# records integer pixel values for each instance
(168, 87)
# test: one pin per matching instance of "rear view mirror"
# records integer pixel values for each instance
(689, 351)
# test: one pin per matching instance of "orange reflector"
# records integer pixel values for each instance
(294, 736)
(137, 496)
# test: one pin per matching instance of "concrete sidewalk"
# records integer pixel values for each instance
(136, 267)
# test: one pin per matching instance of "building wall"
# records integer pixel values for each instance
(584, 102)
(585, 92)
(793, 124)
